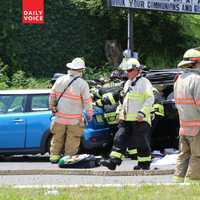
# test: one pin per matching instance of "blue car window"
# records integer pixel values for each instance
(12, 103)
(40, 103)
(2, 107)
(4, 103)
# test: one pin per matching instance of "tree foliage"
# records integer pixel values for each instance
(80, 28)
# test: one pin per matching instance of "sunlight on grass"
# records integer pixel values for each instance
(145, 192)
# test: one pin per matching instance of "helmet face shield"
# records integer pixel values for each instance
(185, 63)
(132, 69)
(132, 66)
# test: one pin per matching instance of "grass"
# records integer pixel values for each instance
(144, 192)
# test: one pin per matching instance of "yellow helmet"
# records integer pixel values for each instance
(132, 63)
(190, 57)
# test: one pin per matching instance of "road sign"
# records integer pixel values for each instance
(183, 6)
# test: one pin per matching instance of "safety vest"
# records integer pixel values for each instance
(110, 114)
(72, 103)
(158, 109)
(138, 99)
(109, 103)
(106, 99)
(187, 99)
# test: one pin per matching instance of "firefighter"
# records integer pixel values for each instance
(68, 97)
(187, 99)
(158, 108)
(109, 102)
(135, 120)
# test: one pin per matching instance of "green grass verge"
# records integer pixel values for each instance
(144, 192)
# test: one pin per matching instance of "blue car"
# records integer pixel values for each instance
(25, 121)
(98, 136)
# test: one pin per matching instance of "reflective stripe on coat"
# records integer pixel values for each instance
(72, 103)
(187, 99)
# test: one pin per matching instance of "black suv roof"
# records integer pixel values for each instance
(163, 76)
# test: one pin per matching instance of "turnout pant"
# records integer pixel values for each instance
(188, 161)
(133, 135)
(66, 139)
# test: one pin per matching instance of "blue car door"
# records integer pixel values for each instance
(12, 121)
(38, 120)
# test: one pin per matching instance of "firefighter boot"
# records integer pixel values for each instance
(54, 158)
(111, 163)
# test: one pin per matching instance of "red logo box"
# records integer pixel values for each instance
(33, 11)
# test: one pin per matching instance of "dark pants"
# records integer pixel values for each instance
(133, 135)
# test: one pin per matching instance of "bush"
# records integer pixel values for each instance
(102, 73)
(4, 80)
(20, 80)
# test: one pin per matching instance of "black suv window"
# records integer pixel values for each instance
(40, 102)
(12, 103)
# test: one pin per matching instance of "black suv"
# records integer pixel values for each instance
(165, 131)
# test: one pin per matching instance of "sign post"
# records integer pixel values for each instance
(130, 45)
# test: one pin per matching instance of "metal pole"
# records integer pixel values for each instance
(130, 32)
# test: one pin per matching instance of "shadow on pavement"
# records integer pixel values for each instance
(24, 158)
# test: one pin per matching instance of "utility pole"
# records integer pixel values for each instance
(130, 45)
(130, 42)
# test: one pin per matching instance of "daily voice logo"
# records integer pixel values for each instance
(33, 11)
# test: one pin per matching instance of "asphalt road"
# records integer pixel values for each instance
(79, 180)
(34, 171)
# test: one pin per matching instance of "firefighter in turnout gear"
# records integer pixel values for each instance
(187, 99)
(69, 97)
(109, 102)
(157, 115)
(158, 108)
(135, 120)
